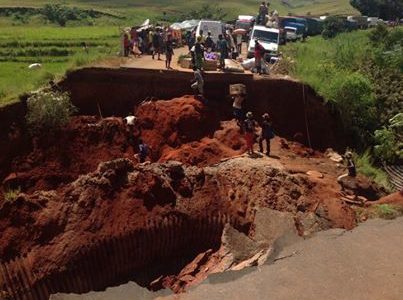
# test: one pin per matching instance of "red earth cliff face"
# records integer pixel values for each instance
(85, 192)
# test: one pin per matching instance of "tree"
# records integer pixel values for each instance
(384, 9)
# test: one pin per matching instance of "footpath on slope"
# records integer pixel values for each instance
(365, 263)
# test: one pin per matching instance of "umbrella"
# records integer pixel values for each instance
(240, 31)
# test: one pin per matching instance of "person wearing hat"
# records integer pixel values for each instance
(352, 172)
(267, 133)
(250, 127)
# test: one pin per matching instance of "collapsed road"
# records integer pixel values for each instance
(90, 216)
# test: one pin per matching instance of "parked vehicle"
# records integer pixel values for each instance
(373, 21)
(350, 25)
(362, 22)
(215, 27)
(292, 33)
(269, 38)
(245, 22)
(287, 23)
(295, 22)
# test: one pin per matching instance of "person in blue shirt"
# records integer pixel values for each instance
(143, 151)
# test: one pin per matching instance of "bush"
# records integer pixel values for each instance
(48, 111)
(387, 211)
(365, 166)
(352, 94)
(389, 141)
(332, 26)
(12, 195)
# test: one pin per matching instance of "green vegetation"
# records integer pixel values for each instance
(138, 10)
(387, 211)
(48, 111)
(360, 74)
(365, 165)
(57, 49)
(30, 31)
(385, 9)
(383, 211)
(389, 140)
(12, 194)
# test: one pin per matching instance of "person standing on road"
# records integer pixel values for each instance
(250, 128)
(156, 44)
(126, 45)
(169, 52)
(198, 52)
(203, 38)
(209, 43)
(238, 38)
(267, 134)
(259, 53)
(222, 46)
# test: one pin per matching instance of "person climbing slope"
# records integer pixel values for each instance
(197, 82)
(267, 133)
(143, 151)
(131, 133)
(250, 128)
(351, 170)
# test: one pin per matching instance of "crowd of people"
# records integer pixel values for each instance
(201, 47)
(153, 41)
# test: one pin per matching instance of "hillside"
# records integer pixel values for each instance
(139, 9)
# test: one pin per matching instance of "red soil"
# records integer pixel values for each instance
(182, 129)
(395, 199)
(121, 196)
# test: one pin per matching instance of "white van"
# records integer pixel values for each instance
(215, 27)
(269, 38)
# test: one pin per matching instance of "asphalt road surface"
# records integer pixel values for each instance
(366, 263)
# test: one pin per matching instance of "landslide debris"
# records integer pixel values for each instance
(120, 197)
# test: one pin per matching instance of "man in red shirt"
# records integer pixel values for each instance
(259, 52)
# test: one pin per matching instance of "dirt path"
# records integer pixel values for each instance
(146, 61)
(334, 264)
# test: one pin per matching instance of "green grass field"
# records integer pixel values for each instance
(140, 9)
(57, 49)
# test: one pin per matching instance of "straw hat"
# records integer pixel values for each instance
(249, 115)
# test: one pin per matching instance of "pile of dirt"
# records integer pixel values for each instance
(52, 228)
(182, 129)
(61, 157)
(186, 130)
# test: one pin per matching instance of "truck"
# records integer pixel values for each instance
(292, 33)
(269, 38)
(245, 22)
(300, 23)
(215, 27)
(362, 22)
